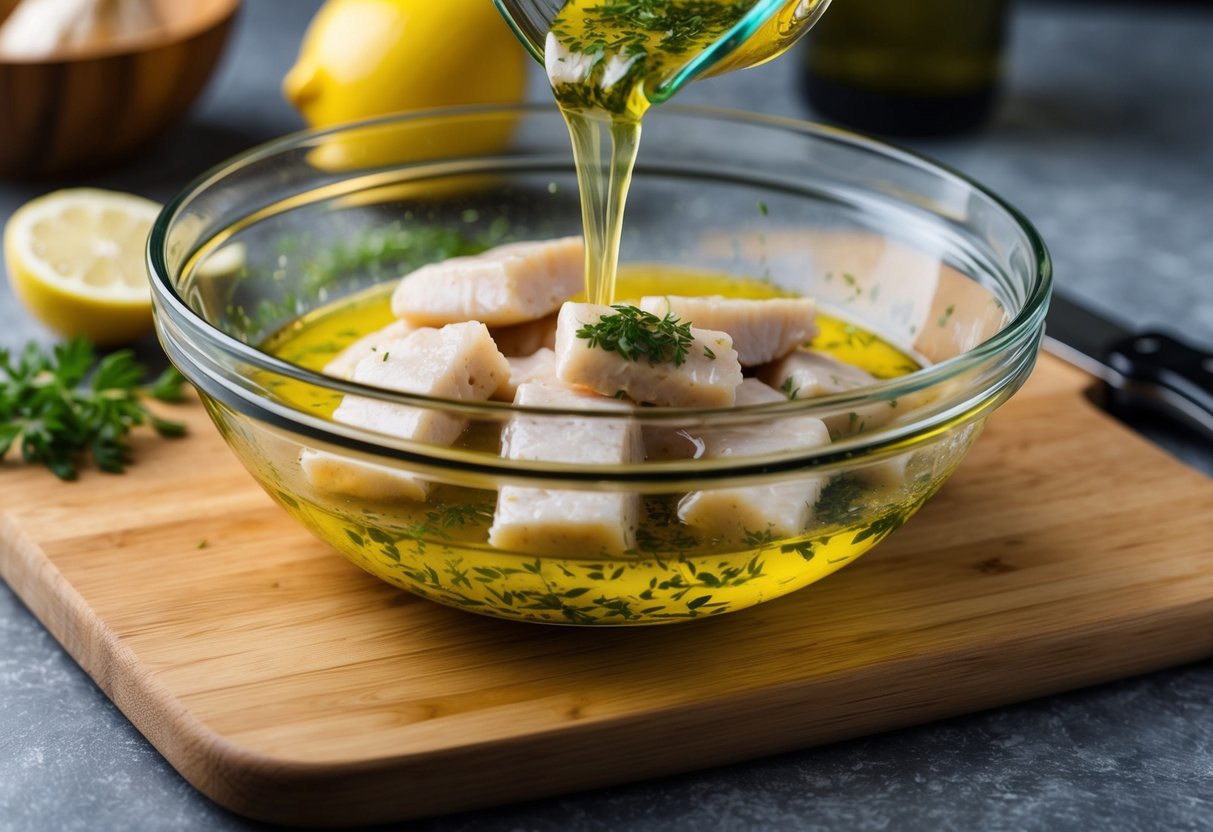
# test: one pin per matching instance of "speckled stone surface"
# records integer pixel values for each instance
(1104, 139)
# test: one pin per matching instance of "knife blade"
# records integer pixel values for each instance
(1149, 369)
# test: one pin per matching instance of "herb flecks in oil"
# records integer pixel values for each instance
(608, 55)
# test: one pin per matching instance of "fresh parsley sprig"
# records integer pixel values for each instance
(57, 405)
(636, 334)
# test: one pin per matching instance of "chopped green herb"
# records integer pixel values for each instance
(754, 539)
(841, 501)
(645, 33)
(202, 543)
(48, 410)
(375, 255)
(636, 334)
(789, 388)
(805, 549)
(707, 351)
(763, 208)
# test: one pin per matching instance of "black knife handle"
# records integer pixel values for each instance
(1163, 373)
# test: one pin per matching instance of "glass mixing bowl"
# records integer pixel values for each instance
(888, 243)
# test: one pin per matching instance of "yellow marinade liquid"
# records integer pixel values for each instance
(439, 549)
(606, 61)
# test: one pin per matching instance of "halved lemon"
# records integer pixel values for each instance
(75, 258)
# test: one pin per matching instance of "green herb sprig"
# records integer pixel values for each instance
(49, 411)
(636, 334)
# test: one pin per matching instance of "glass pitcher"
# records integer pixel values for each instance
(763, 30)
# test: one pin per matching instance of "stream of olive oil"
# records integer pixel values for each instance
(602, 60)
(439, 548)
(607, 63)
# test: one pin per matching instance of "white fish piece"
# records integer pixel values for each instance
(762, 329)
(507, 285)
(806, 374)
(543, 521)
(708, 377)
(458, 361)
(334, 474)
(665, 443)
(541, 366)
(567, 522)
(890, 474)
(342, 365)
(783, 509)
(525, 339)
(811, 373)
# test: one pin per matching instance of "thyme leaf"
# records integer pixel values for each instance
(636, 334)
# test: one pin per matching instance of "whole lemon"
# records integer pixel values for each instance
(363, 58)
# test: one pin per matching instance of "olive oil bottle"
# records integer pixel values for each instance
(929, 67)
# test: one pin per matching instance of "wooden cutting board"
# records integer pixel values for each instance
(287, 685)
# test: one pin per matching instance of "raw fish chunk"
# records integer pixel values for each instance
(708, 377)
(342, 365)
(543, 521)
(458, 361)
(784, 508)
(507, 285)
(538, 367)
(806, 374)
(890, 474)
(811, 373)
(525, 339)
(360, 480)
(567, 522)
(762, 330)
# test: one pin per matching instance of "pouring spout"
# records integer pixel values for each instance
(530, 20)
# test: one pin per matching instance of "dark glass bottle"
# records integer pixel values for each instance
(907, 67)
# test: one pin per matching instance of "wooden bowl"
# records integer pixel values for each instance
(82, 109)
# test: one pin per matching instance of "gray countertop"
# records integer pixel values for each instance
(1105, 140)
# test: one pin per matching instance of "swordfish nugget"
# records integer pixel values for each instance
(707, 376)
(807, 374)
(783, 509)
(541, 366)
(551, 521)
(458, 361)
(762, 330)
(343, 364)
(360, 480)
(504, 286)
